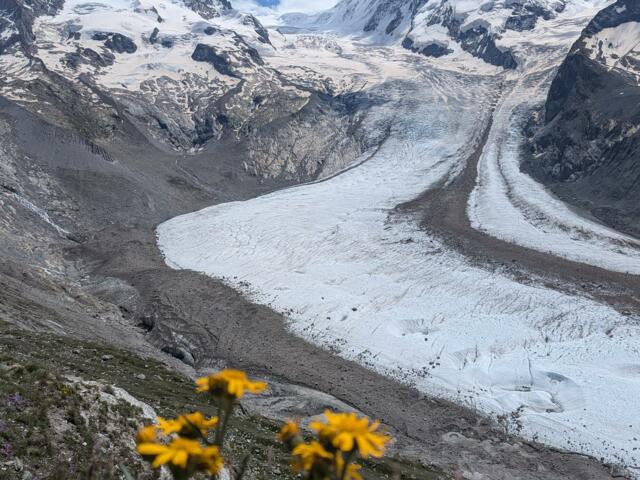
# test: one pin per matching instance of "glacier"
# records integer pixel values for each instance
(352, 275)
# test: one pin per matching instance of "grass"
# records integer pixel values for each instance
(54, 428)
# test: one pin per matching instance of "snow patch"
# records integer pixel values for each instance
(610, 45)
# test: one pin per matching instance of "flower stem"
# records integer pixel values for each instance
(218, 436)
(347, 461)
(225, 408)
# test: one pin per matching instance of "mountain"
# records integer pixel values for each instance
(189, 73)
(121, 114)
(437, 28)
(16, 22)
(17, 18)
(588, 146)
(117, 115)
(306, 157)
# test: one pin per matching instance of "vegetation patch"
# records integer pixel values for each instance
(65, 414)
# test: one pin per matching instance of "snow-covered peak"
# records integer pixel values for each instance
(612, 38)
(128, 41)
(167, 62)
(209, 8)
(435, 27)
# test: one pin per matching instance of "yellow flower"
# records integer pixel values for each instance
(169, 426)
(211, 461)
(289, 431)
(147, 435)
(191, 424)
(346, 432)
(308, 454)
(232, 383)
(353, 470)
(175, 454)
(183, 454)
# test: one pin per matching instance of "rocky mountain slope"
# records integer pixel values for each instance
(188, 74)
(116, 115)
(588, 149)
(86, 401)
(438, 28)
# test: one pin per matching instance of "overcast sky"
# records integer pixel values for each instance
(283, 6)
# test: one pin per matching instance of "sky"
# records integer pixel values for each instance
(270, 9)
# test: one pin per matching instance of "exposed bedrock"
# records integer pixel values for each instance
(479, 42)
(272, 133)
(440, 27)
(117, 42)
(587, 142)
(17, 17)
(433, 49)
(209, 8)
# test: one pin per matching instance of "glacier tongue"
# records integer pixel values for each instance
(352, 276)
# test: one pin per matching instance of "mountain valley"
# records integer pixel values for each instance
(422, 210)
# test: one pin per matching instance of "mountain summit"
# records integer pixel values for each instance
(437, 28)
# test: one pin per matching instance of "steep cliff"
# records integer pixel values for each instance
(588, 145)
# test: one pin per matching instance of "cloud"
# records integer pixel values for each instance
(283, 6)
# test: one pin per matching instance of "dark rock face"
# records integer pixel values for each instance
(116, 42)
(208, 8)
(391, 8)
(153, 38)
(220, 61)
(431, 50)
(578, 61)
(521, 22)
(89, 56)
(121, 44)
(17, 17)
(159, 19)
(393, 24)
(480, 43)
(587, 147)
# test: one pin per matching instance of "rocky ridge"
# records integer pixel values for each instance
(588, 144)
(188, 74)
